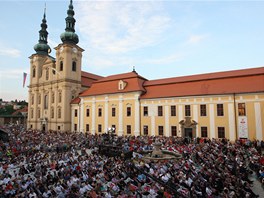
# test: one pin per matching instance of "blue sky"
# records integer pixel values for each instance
(160, 38)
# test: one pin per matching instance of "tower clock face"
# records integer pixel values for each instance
(74, 50)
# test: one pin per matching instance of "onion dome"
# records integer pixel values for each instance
(69, 36)
(42, 47)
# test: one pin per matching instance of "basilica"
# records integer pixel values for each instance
(228, 104)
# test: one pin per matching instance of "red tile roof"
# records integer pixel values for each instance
(75, 101)
(237, 81)
(23, 110)
(109, 84)
(88, 78)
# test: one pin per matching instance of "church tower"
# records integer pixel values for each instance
(68, 67)
(54, 82)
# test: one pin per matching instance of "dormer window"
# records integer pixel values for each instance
(121, 85)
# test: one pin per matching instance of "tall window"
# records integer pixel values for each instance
(32, 99)
(99, 112)
(59, 96)
(160, 130)
(204, 132)
(99, 128)
(221, 132)
(39, 99)
(34, 72)
(145, 111)
(52, 97)
(128, 111)
(61, 66)
(75, 127)
(128, 129)
(38, 113)
(87, 112)
(46, 102)
(241, 109)
(203, 110)
(187, 110)
(52, 113)
(59, 112)
(160, 111)
(145, 129)
(87, 127)
(47, 74)
(173, 110)
(113, 112)
(73, 66)
(174, 130)
(75, 112)
(220, 109)
(32, 113)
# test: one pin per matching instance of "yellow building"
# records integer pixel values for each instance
(62, 97)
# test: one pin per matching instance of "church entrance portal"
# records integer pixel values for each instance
(188, 127)
(188, 132)
(43, 127)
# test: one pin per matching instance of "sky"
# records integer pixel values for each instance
(161, 39)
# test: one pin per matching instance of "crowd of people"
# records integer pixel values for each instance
(63, 164)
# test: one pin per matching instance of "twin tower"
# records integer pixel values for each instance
(54, 82)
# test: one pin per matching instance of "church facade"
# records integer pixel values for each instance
(62, 97)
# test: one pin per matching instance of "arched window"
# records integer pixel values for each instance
(73, 66)
(38, 113)
(59, 96)
(46, 102)
(61, 66)
(32, 99)
(52, 112)
(59, 112)
(34, 72)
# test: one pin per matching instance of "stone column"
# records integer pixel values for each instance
(231, 122)
(120, 116)
(93, 116)
(81, 116)
(137, 115)
(167, 121)
(106, 114)
(258, 120)
(195, 118)
(180, 115)
(212, 120)
(153, 110)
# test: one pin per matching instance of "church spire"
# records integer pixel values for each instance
(69, 36)
(42, 47)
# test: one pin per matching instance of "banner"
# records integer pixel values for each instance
(242, 127)
(24, 78)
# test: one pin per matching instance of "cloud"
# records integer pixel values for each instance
(194, 39)
(116, 26)
(11, 52)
